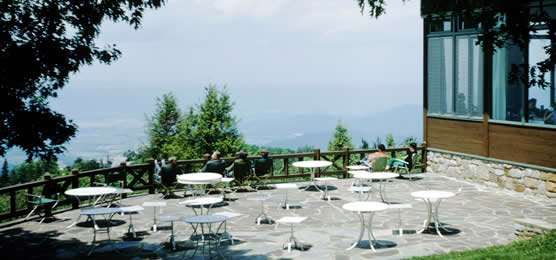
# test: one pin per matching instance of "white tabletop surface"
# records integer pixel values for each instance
(226, 179)
(432, 194)
(358, 167)
(261, 197)
(365, 206)
(286, 185)
(202, 201)
(312, 164)
(325, 178)
(200, 178)
(90, 191)
(291, 220)
(375, 175)
(357, 172)
(131, 208)
(154, 204)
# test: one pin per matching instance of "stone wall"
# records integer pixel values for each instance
(511, 177)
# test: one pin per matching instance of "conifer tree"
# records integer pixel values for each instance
(162, 125)
(341, 138)
(4, 179)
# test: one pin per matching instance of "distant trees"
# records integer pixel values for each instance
(340, 138)
(364, 144)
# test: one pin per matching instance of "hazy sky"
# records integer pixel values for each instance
(279, 56)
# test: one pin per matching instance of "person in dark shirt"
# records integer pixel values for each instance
(263, 165)
(168, 174)
(241, 168)
(215, 164)
(50, 190)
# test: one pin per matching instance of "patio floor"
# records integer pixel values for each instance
(478, 216)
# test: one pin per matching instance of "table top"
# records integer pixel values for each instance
(170, 218)
(365, 206)
(358, 167)
(375, 175)
(202, 201)
(131, 208)
(226, 179)
(204, 219)
(90, 191)
(285, 186)
(100, 211)
(358, 172)
(262, 197)
(291, 220)
(200, 178)
(154, 204)
(432, 194)
(312, 164)
(326, 179)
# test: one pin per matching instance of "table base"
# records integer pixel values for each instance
(203, 239)
(432, 214)
(365, 226)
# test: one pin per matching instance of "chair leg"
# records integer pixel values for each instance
(31, 213)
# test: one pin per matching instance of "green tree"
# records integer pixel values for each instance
(4, 178)
(377, 142)
(86, 165)
(390, 142)
(162, 125)
(340, 138)
(207, 127)
(408, 140)
(364, 144)
(33, 170)
(42, 44)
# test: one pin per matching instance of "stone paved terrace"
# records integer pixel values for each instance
(478, 216)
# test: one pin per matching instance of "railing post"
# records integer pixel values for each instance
(12, 202)
(317, 157)
(123, 164)
(300, 169)
(286, 167)
(151, 175)
(424, 159)
(346, 161)
(206, 157)
(75, 185)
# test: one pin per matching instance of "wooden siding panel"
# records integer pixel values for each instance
(525, 145)
(457, 136)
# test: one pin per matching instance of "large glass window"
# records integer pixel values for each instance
(507, 98)
(541, 103)
(440, 75)
(469, 81)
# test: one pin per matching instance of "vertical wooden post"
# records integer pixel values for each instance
(29, 191)
(92, 179)
(317, 157)
(12, 202)
(75, 185)
(300, 169)
(286, 166)
(424, 156)
(151, 176)
(123, 164)
(346, 161)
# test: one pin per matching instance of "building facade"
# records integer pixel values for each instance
(479, 123)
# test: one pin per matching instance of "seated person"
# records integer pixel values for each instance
(380, 153)
(408, 158)
(215, 164)
(241, 168)
(263, 165)
(169, 173)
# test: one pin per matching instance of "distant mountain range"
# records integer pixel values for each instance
(109, 137)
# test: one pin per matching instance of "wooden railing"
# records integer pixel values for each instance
(140, 177)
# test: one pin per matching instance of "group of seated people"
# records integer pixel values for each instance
(392, 162)
(240, 169)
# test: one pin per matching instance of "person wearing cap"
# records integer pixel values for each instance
(241, 168)
(168, 174)
(215, 164)
(263, 165)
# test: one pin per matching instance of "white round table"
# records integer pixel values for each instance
(312, 165)
(200, 178)
(262, 215)
(361, 208)
(432, 200)
(358, 167)
(203, 202)
(286, 186)
(381, 176)
(325, 195)
(93, 194)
